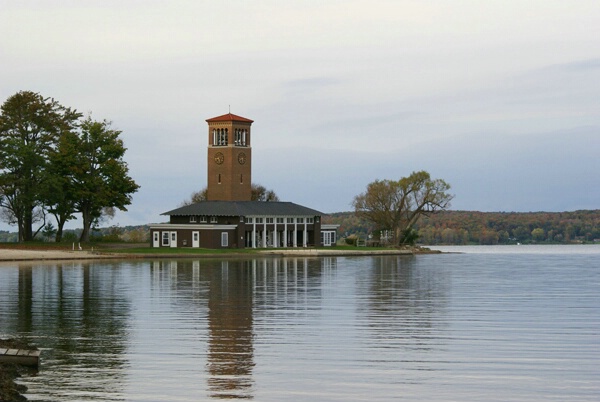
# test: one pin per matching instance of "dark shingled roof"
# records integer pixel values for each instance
(243, 208)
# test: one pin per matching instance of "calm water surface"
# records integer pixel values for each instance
(493, 324)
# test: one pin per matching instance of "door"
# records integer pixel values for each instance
(196, 239)
(173, 239)
(224, 239)
(328, 238)
(155, 239)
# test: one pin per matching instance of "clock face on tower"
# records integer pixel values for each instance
(219, 158)
(241, 158)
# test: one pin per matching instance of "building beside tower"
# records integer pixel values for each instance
(229, 218)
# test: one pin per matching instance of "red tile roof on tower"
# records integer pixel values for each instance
(229, 117)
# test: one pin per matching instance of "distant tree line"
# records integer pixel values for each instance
(54, 162)
(444, 228)
(472, 227)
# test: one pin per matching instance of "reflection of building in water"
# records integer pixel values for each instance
(221, 293)
(233, 295)
(230, 348)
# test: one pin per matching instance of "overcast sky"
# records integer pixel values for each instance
(499, 98)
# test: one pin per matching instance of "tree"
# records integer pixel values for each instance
(196, 197)
(61, 194)
(49, 231)
(30, 128)
(258, 193)
(97, 170)
(398, 205)
(538, 234)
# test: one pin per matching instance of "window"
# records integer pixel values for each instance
(192, 219)
(269, 220)
(279, 220)
(224, 239)
(300, 220)
(213, 219)
(249, 220)
(165, 238)
(240, 137)
(290, 220)
(310, 220)
(203, 219)
(259, 220)
(219, 178)
(220, 136)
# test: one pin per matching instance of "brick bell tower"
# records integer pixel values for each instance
(229, 159)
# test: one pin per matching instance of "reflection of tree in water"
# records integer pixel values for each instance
(404, 301)
(79, 313)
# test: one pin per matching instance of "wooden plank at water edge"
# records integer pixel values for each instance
(20, 356)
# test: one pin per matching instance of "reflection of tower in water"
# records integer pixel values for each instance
(230, 348)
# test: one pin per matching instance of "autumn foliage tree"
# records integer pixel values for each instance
(397, 205)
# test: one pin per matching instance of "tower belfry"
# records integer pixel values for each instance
(229, 159)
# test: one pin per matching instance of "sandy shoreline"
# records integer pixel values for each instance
(37, 255)
(7, 255)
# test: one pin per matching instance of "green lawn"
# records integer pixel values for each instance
(128, 248)
(189, 250)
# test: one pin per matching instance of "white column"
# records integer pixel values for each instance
(253, 232)
(275, 233)
(265, 233)
(285, 232)
(295, 233)
(305, 234)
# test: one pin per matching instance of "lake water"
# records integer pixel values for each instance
(489, 324)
